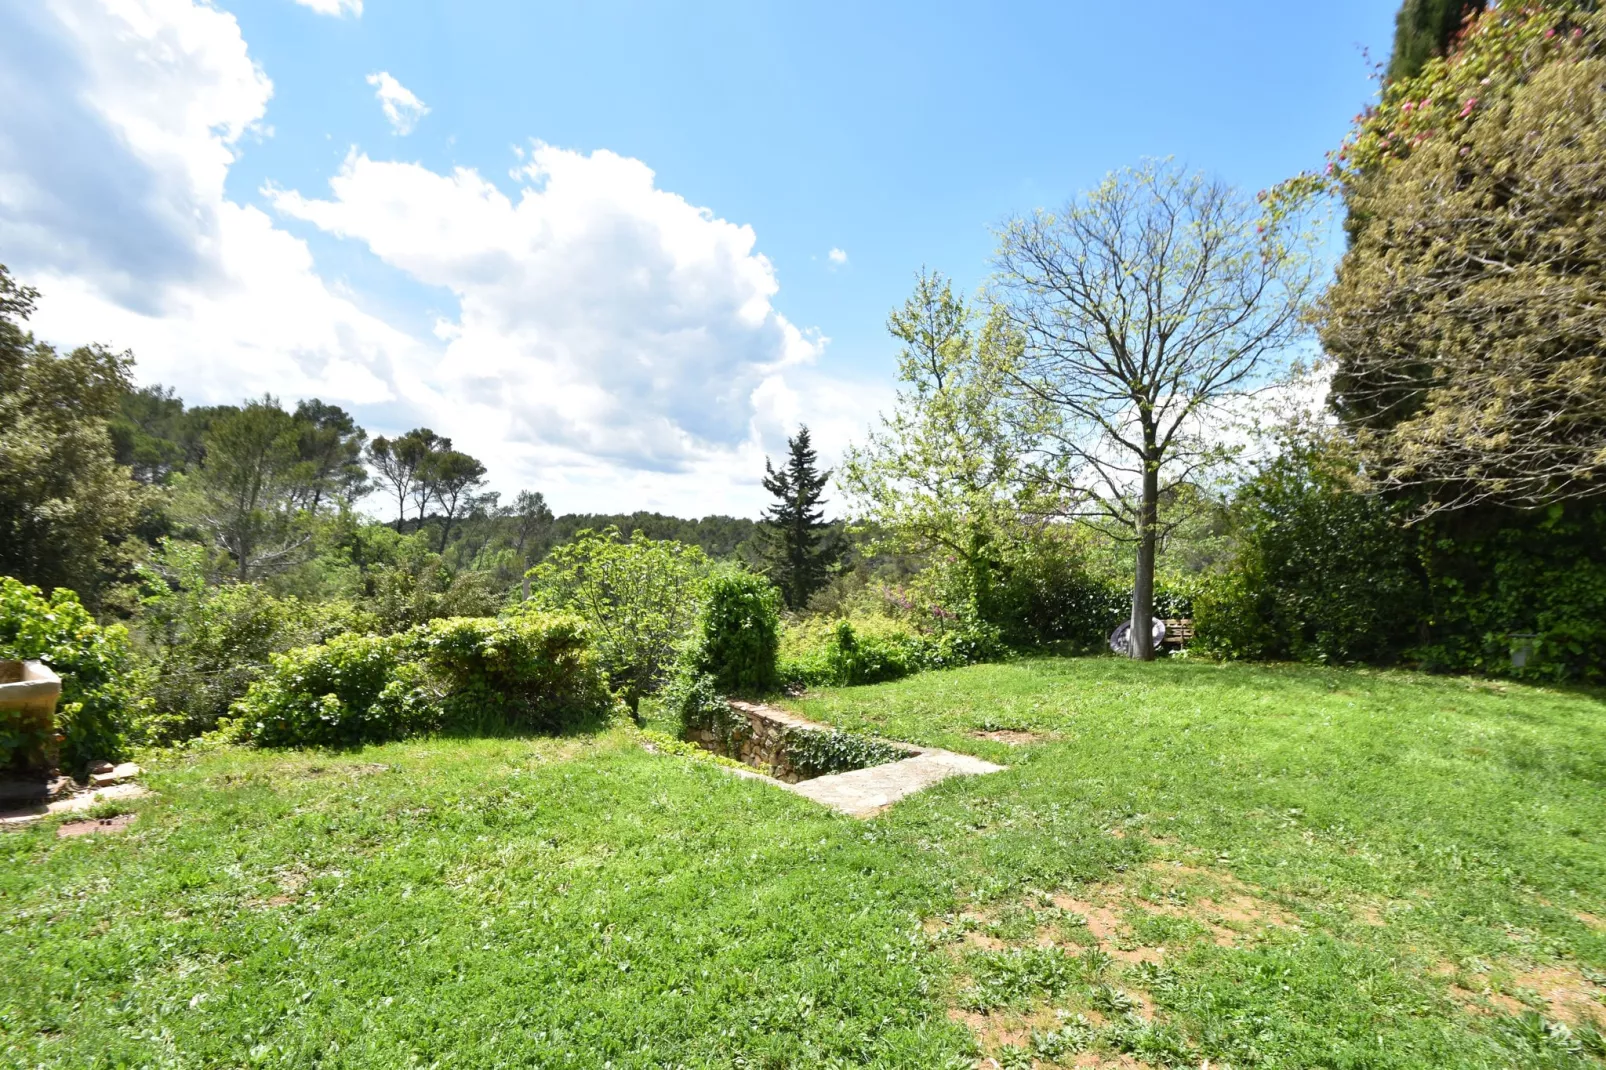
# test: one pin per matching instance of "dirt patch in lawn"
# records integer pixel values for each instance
(118, 823)
(1014, 737)
(350, 769)
(1223, 907)
(1559, 992)
(1569, 995)
(1116, 931)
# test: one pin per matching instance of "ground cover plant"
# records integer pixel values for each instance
(1259, 866)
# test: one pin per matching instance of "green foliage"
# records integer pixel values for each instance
(738, 635)
(66, 506)
(404, 583)
(693, 699)
(638, 596)
(1322, 573)
(247, 495)
(1423, 29)
(1011, 978)
(1541, 575)
(872, 649)
(152, 435)
(533, 672)
(720, 537)
(354, 689)
(207, 642)
(797, 558)
(811, 752)
(529, 672)
(95, 663)
(944, 472)
(1463, 322)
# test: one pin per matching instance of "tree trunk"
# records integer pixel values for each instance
(1140, 639)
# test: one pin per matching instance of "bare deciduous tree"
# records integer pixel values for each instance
(1145, 306)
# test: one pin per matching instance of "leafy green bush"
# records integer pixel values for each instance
(409, 584)
(1322, 573)
(693, 698)
(1047, 594)
(463, 674)
(638, 595)
(530, 671)
(99, 685)
(1325, 573)
(874, 649)
(208, 642)
(351, 690)
(1492, 573)
(738, 635)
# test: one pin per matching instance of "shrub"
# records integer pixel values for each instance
(96, 666)
(639, 597)
(1322, 573)
(873, 649)
(1495, 572)
(529, 671)
(208, 642)
(1047, 594)
(351, 690)
(693, 698)
(738, 636)
(410, 584)
(463, 674)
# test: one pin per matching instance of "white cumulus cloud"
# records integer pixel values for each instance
(336, 8)
(112, 202)
(837, 256)
(601, 317)
(611, 343)
(401, 106)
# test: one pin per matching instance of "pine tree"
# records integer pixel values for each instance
(1423, 29)
(793, 535)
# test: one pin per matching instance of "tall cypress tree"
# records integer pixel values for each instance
(794, 544)
(1423, 29)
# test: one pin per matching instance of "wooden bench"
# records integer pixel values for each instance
(1178, 632)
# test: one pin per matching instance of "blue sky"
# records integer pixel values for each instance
(507, 271)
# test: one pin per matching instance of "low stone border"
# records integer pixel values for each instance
(864, 792)
(73, 804)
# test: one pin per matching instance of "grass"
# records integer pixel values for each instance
(1344, 869)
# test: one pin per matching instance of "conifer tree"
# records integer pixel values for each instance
(1423, 29)
(793, 535)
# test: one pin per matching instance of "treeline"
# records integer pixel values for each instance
(263, 471)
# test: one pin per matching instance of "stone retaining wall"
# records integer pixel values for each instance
(759, 738)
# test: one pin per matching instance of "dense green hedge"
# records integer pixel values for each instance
(96, 666)
(738, 634)
(869, 650)
(534, 671)
(353, 689)
(1323, 573)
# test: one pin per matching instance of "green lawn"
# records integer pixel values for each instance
(1275, 867)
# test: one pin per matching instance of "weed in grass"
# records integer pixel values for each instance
(1107, 999)
(1074, 1035)
(1015, 977)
